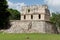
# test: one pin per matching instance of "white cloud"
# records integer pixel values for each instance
(16, 6)
(53, 4)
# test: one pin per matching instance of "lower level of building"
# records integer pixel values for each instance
(36, 26)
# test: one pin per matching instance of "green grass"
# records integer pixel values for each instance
(33, 36)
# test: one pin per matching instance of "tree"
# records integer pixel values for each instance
(15, 15)
(4, 15)
(55, 19)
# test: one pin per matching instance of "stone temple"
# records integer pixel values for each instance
(34, 19)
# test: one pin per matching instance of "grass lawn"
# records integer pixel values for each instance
(33, 36)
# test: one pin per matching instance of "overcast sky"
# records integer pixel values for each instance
(54, 5)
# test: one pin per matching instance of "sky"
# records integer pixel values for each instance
(53, 5)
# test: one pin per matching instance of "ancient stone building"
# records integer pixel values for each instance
(34, 19)
(35, 12)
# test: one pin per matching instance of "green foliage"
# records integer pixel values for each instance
(4, 15)
(56, 19)
(15, 15)
(31, 36)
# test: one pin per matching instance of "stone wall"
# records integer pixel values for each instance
(50, 28)
(30, 27)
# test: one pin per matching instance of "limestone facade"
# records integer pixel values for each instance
(35, 11)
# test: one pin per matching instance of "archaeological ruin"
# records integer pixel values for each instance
(34, 19)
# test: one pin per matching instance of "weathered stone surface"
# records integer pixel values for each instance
(35, 10)
(30, 27)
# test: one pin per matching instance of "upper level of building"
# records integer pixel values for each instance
(34, 9)
(35, 12)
